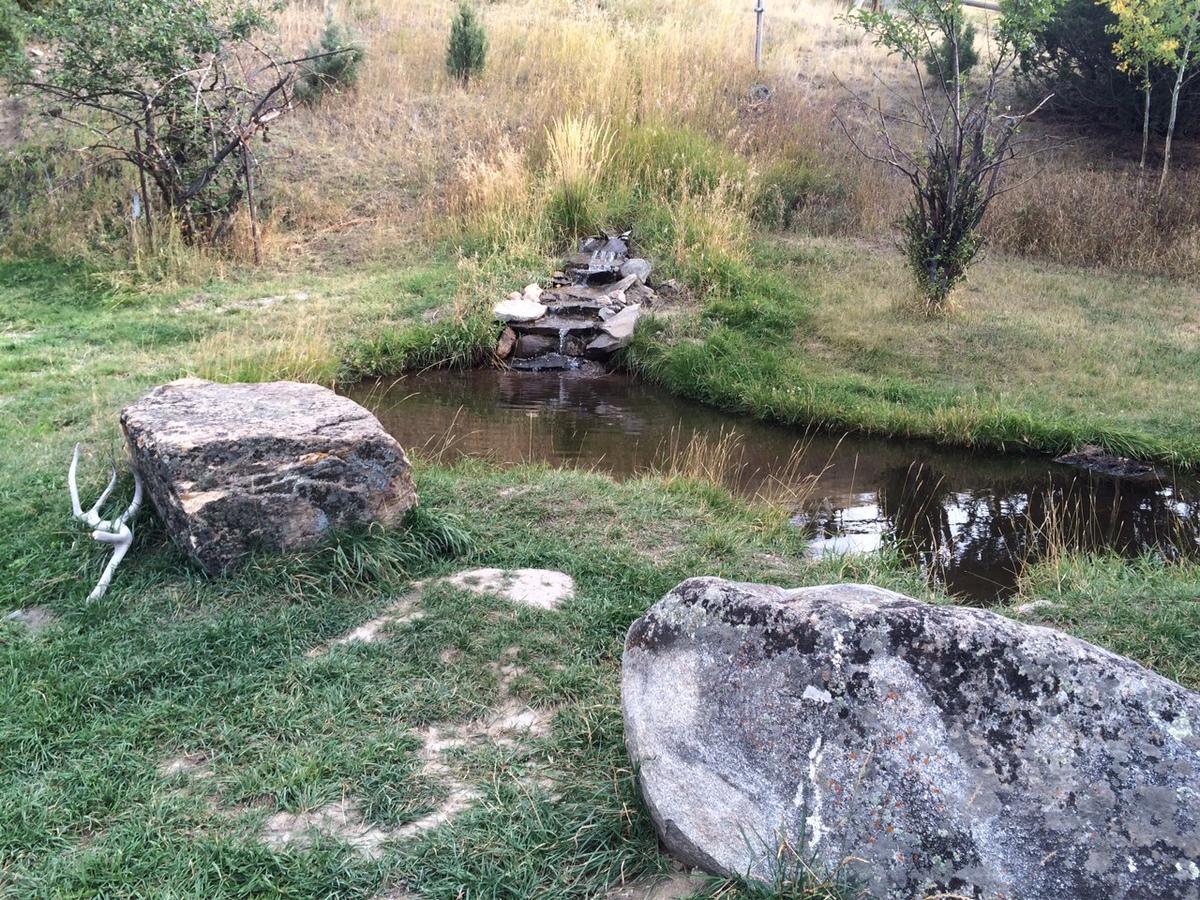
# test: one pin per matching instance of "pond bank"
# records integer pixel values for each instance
(972, 521)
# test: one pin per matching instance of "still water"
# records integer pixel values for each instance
(969, 520)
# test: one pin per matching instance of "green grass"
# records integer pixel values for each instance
(1035, 358)
(170, 662)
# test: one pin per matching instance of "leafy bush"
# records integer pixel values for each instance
(339, 59)
(176, 90)
(466, 52)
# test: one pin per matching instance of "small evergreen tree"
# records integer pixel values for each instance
(939, 60)
(336, 66)
(467, 50)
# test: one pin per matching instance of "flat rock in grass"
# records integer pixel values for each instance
(234, 468)
(539, 588)
(521, 309)
(927, 749)
(34, 619)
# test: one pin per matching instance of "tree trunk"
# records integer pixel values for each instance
(1184, 59)
(1146, 122)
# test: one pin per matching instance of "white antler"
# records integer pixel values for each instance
(117, 532)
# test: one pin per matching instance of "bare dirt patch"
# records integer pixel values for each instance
(342, 820)
(192, 765)
(509, 724)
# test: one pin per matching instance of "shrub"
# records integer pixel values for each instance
(340, 56)
(466, 52)
(175, 89)
(966, 141)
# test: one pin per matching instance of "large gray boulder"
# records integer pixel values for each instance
(233, 468)
(928, 749)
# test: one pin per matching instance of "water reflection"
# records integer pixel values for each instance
(969, 520)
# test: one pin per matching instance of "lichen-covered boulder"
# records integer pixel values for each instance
(234, 468)
(928, 749)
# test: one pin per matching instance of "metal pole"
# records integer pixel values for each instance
(758, 34)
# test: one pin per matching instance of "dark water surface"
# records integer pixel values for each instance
(969, 520)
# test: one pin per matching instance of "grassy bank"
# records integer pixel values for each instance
(150, 739)
(817, 331)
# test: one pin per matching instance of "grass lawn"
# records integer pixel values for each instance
(152, 739)
(1037, 356)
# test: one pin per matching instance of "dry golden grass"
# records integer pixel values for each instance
(410, 156)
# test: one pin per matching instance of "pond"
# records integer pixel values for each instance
(968, 520)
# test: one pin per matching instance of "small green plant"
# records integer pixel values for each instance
(466, 52)
(338, 58)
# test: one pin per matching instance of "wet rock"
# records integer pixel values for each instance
(603, 347)
(599, 257)
(531, 345)
(551, 362)
(1098, 460)
(233, 468)
(928, 749)
(519, 310)
(638, 268)
(507, 343)
(561, 325)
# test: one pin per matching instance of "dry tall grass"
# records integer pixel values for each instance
(411, 153)
(412, 139)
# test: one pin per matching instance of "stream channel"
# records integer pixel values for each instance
(969, 520)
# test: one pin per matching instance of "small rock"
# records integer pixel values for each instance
(235, 468)
(759, 93)
(637, 267)
(921, 749)
(508, 342)
(603, 347)
(515, 296)
(518, 310)
(533, 292)
(608, 312)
